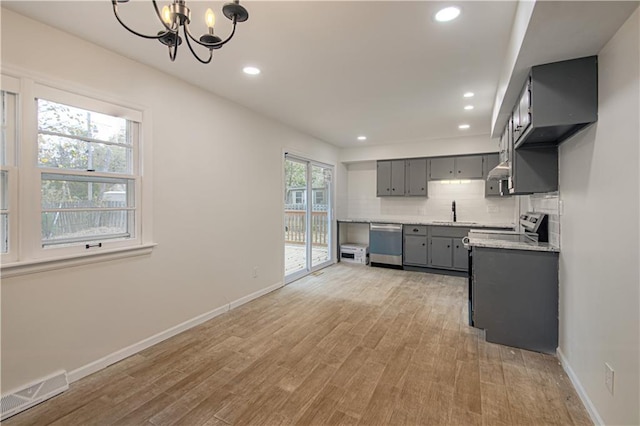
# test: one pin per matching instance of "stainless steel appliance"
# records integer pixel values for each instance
(385, 244)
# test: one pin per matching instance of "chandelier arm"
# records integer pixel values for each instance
(152, 37)
(187, 36)
(173, 53)
(211, 45)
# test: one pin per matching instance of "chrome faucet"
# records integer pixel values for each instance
(453, 210)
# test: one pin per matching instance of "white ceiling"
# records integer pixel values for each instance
(331, 69)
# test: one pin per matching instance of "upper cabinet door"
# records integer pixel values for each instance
(525, 108)
(469, 167)
(416, 172)
(397, 177)
(383, 186)
(442, 168)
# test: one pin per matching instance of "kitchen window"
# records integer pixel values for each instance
(80, 164)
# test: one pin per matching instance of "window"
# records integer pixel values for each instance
(87, 179)
(298, 197)
(8, 172)
(80, 166)
(318, 196)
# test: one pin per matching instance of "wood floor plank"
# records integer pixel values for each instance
(351, 345)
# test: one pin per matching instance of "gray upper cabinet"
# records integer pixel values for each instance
(397, 177)
(416, 177)
(557, 100)
(383, 181)
(442, 168)
(390, 178)
(469, 167)
(534, 171)
(491, 187)
(401, 177)
(463, 167)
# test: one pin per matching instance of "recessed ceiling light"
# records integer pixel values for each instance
(463, 126)
(468, 95)
(362, 138)
(468, 107)
(447, 14)
(251, 70)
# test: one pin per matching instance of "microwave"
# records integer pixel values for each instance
(354, 253)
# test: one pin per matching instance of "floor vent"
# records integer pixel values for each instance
(33, 394)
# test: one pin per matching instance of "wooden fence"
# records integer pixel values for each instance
(295, 227)
(57, 224)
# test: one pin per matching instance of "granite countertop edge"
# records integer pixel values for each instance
(432, 223)
(511, 245)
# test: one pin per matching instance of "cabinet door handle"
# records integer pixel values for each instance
(393, 189)
(457, 246)
(415, 229)
(422, 189)
(448, 246)
(424, 244)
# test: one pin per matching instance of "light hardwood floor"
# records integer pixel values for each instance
(350, 345)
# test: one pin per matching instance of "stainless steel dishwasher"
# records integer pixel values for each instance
(385, 244)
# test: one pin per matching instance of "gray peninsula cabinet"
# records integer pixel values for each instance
(461, 167)
(515, 297)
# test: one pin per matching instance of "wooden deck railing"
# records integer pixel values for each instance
(295, 227)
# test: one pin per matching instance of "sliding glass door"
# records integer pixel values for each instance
(307, 216)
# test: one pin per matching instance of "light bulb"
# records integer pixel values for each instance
(210, 18)
(166, 15)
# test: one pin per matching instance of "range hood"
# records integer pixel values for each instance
(499, 172)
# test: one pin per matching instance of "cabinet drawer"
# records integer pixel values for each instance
(415, 230)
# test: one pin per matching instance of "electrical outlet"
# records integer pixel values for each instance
(608, 377)
(255, 272)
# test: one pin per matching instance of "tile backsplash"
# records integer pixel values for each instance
(471, 204)
(545, 203)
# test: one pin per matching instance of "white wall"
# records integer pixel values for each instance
(217, 213)
(428, 148)
(471, 205)
(599, 277)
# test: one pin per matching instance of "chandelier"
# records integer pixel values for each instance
(176, 18)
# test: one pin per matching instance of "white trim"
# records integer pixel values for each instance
(121, 354)
(248, 298)
(591, 409)
(41, 265)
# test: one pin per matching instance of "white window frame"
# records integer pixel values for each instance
(30, 255)
(12, 85)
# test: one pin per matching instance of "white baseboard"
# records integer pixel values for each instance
(255, 295)
(591, 409)
(121, 354)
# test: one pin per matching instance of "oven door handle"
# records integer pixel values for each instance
(465, 242)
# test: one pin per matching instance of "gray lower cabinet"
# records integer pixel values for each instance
(415, 250)
(446, 250)
(441, 252)
(515, 297)
(460, 255)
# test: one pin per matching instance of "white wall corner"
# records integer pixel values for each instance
(586, 401)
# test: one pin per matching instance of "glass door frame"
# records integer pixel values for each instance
(309, 267)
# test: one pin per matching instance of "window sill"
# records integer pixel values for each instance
(14, 269)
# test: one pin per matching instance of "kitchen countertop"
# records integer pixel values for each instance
(493, 240)
(432, 223)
